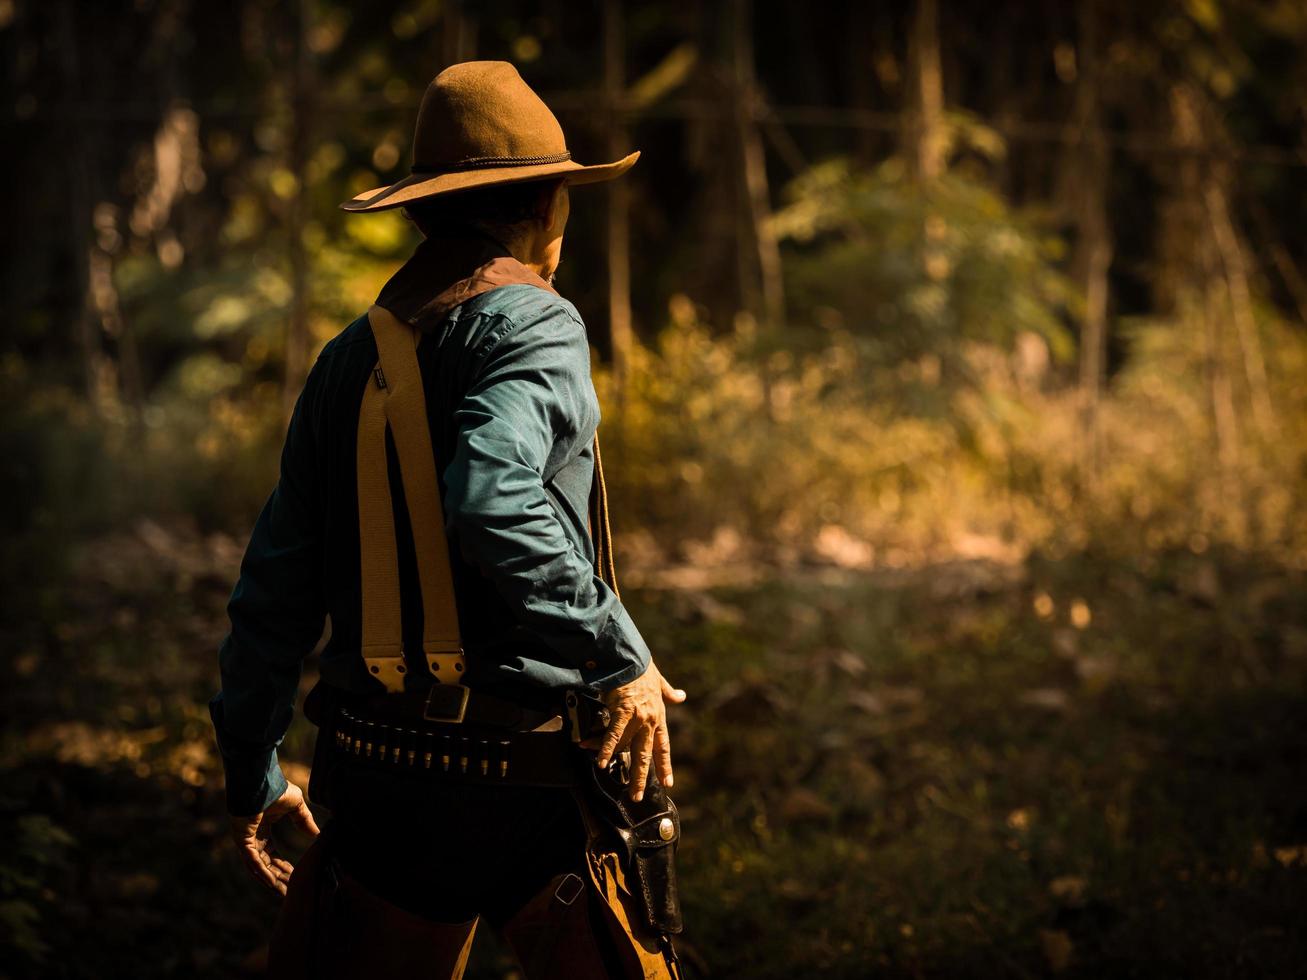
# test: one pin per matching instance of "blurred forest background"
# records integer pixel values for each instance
(954, 373)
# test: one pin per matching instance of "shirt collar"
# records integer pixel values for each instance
(447, 270)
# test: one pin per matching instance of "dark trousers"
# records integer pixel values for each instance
(452, 853)
(513, 856)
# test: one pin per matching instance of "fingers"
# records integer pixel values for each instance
(259, 865)
(281, 871)
(640, 722)
(641, 755)
(663, 755)
(616, 737)
(652, 746)
(673, 694)
(302, 817)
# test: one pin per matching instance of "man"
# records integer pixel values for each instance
(506, 394)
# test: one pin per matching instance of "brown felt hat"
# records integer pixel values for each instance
(480, 125)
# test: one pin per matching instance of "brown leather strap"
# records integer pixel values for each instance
(600, 531)
(397, 386)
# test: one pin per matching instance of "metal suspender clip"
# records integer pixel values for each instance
(446, 703)
(389, 668)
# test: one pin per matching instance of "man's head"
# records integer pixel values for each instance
(527, 218)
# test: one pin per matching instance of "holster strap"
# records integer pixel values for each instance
(660, 830)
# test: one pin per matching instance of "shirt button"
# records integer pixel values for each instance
(590, 665)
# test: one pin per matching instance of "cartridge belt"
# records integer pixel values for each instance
(461, 753)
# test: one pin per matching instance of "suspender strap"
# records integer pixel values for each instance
(383, 651)
(397, 387)
(395, 399)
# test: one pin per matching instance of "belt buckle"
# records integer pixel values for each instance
(446, 703)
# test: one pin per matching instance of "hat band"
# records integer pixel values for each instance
(474, 163)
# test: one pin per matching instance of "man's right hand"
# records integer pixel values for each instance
(257, 852)
(639, 722)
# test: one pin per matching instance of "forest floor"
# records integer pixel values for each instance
(1086, 767)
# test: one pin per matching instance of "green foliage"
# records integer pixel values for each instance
(903, 431)
(203, 451)
(915, 267)
(53, 452)
(837, 463)
(36, 853)
(803, 433)
(1165, 478)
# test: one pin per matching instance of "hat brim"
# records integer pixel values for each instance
(417, 187)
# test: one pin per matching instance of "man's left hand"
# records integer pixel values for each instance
(638, 713)
(257, 851)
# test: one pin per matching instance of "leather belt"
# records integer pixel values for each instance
(450, 703)
(459, 753)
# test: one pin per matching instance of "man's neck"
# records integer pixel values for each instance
(529, 249)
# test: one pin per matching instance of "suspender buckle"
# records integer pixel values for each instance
(445, 661)
(447, 703)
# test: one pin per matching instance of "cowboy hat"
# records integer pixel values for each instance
(480, 125)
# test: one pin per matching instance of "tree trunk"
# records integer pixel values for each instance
(1290, 275)
(1241, 309)
(458, 37)
(78, 160)
(924, 143)
(297, 328)
(769, 299)
(1221, 392)
(619, 199)
(1197, 287)
(1093, 254)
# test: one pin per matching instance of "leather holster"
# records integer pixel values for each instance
(643, 834)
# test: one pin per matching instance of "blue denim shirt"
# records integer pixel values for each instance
(513, 413)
